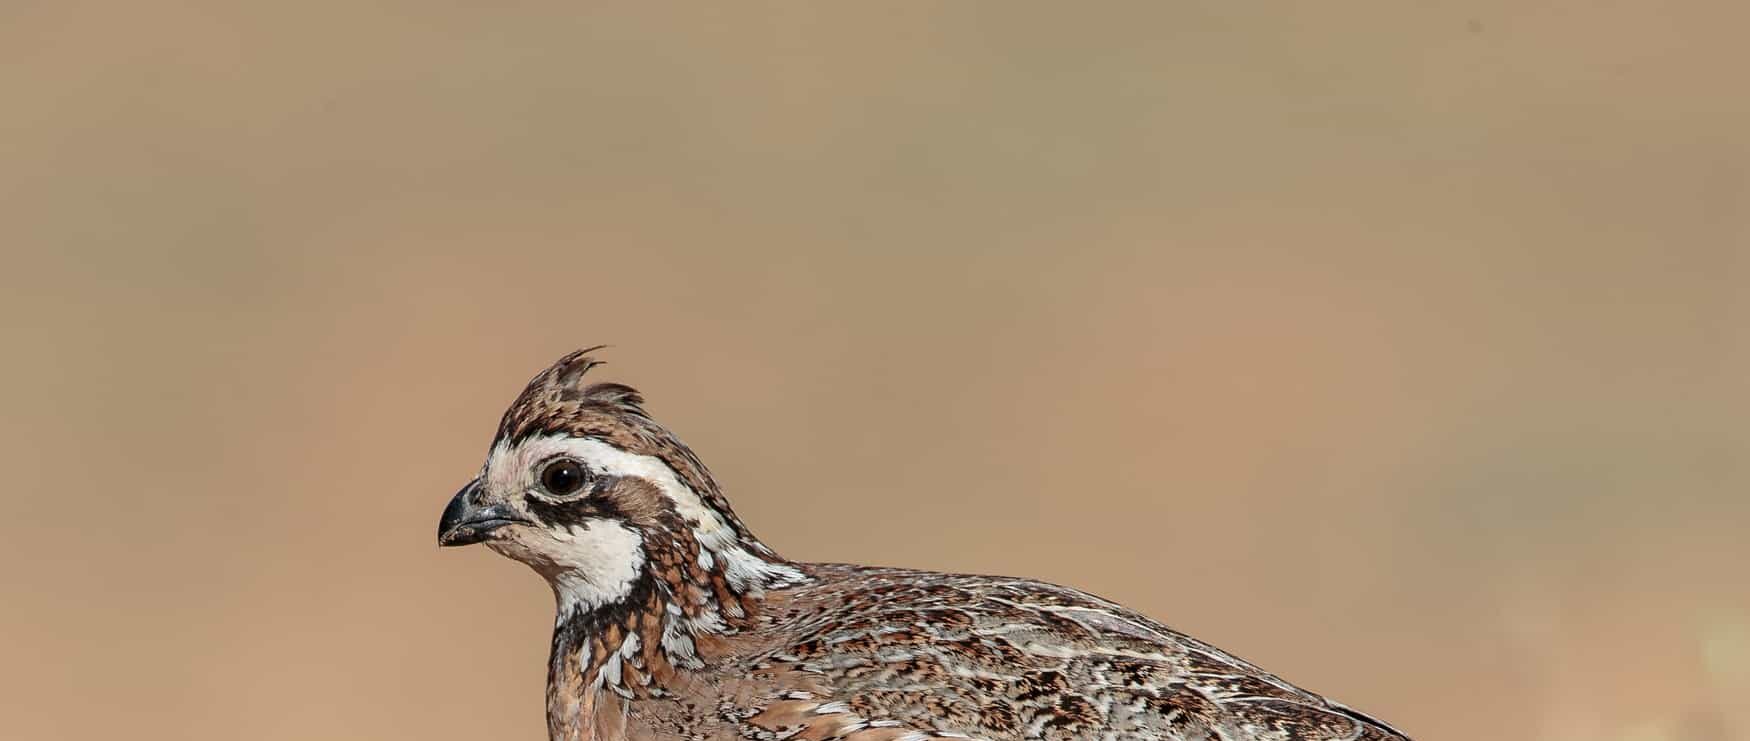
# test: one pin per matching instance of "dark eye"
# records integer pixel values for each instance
(562, 477)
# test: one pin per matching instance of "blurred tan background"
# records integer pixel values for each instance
(1399, 349)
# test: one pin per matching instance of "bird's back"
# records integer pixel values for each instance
(873, 654)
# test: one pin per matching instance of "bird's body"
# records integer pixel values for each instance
(676, 623)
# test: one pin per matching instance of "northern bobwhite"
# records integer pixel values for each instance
(675, 622)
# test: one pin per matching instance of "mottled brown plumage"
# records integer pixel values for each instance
(675, 622)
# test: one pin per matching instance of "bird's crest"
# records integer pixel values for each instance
(558, 400)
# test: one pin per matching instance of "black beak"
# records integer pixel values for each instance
(465, 522)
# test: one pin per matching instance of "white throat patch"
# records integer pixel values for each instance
(599, 561)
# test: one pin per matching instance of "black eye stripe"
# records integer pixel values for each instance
(579, 508)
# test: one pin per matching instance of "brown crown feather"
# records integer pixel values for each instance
(557, 399)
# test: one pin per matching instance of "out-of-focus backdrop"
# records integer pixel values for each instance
(1400, 348)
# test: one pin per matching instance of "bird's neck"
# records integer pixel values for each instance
(687, 597)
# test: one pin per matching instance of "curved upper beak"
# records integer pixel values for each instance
(466, 521)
